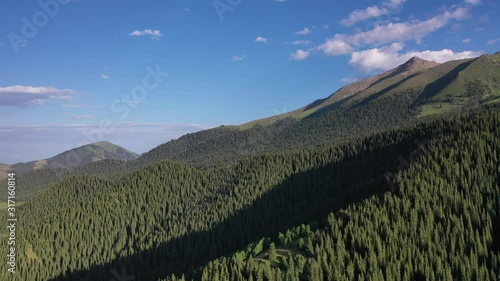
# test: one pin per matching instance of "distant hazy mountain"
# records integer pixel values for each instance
(75, 158)
(3, 170)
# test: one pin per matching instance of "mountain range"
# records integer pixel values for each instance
(415, 90)
(393, 177)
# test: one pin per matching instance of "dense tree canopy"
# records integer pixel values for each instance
(415, 203)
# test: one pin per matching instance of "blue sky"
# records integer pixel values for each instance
(139, 73)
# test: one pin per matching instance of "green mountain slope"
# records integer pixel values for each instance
(100, 159)
(415, 89)
(411, 91)
(227, 145)
(172, 218)
(442, 222)
(445, 85)
(359, 89)
(78, 157)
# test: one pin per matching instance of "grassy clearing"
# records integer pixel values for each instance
(282, 256)
(436, 108)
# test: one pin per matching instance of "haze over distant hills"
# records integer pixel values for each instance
(74, 158)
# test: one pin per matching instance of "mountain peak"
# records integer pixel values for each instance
(417, 60)
(103, 143)
(80, 156)
(413, 65)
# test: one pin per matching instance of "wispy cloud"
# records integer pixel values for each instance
(150, 32)
(493, 41)
(80, 117)
(473, 2)
(104, 76)
(132, 126)
(300, 55)
(82, 105)
(393, 3)
(371, 12)
(392, 32)
(304, 31)
(261, 39)
(238, 58)
(466, 40)
(361, 15)
(302, 42)
(23, 96)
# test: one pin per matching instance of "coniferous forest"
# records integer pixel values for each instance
(419, 201)
(233, 140)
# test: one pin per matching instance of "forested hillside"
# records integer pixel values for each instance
(100, 158)
(415, 203)
(442, 222)
(227, 145)
(405, 94)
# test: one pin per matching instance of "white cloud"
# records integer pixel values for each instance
(371, 12)
(388, 57)
(300, 55)
(392, 32)
(152, 33)
(378, 58)
(335, 46)
(301, 42)
(406, 31)
(260, 39)
(304, 31)
(443, 55)
(394, 3)
(466, 40)
(238, 58)
(104, 76)
(361, 15)
(23, 96)
(473, 2)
